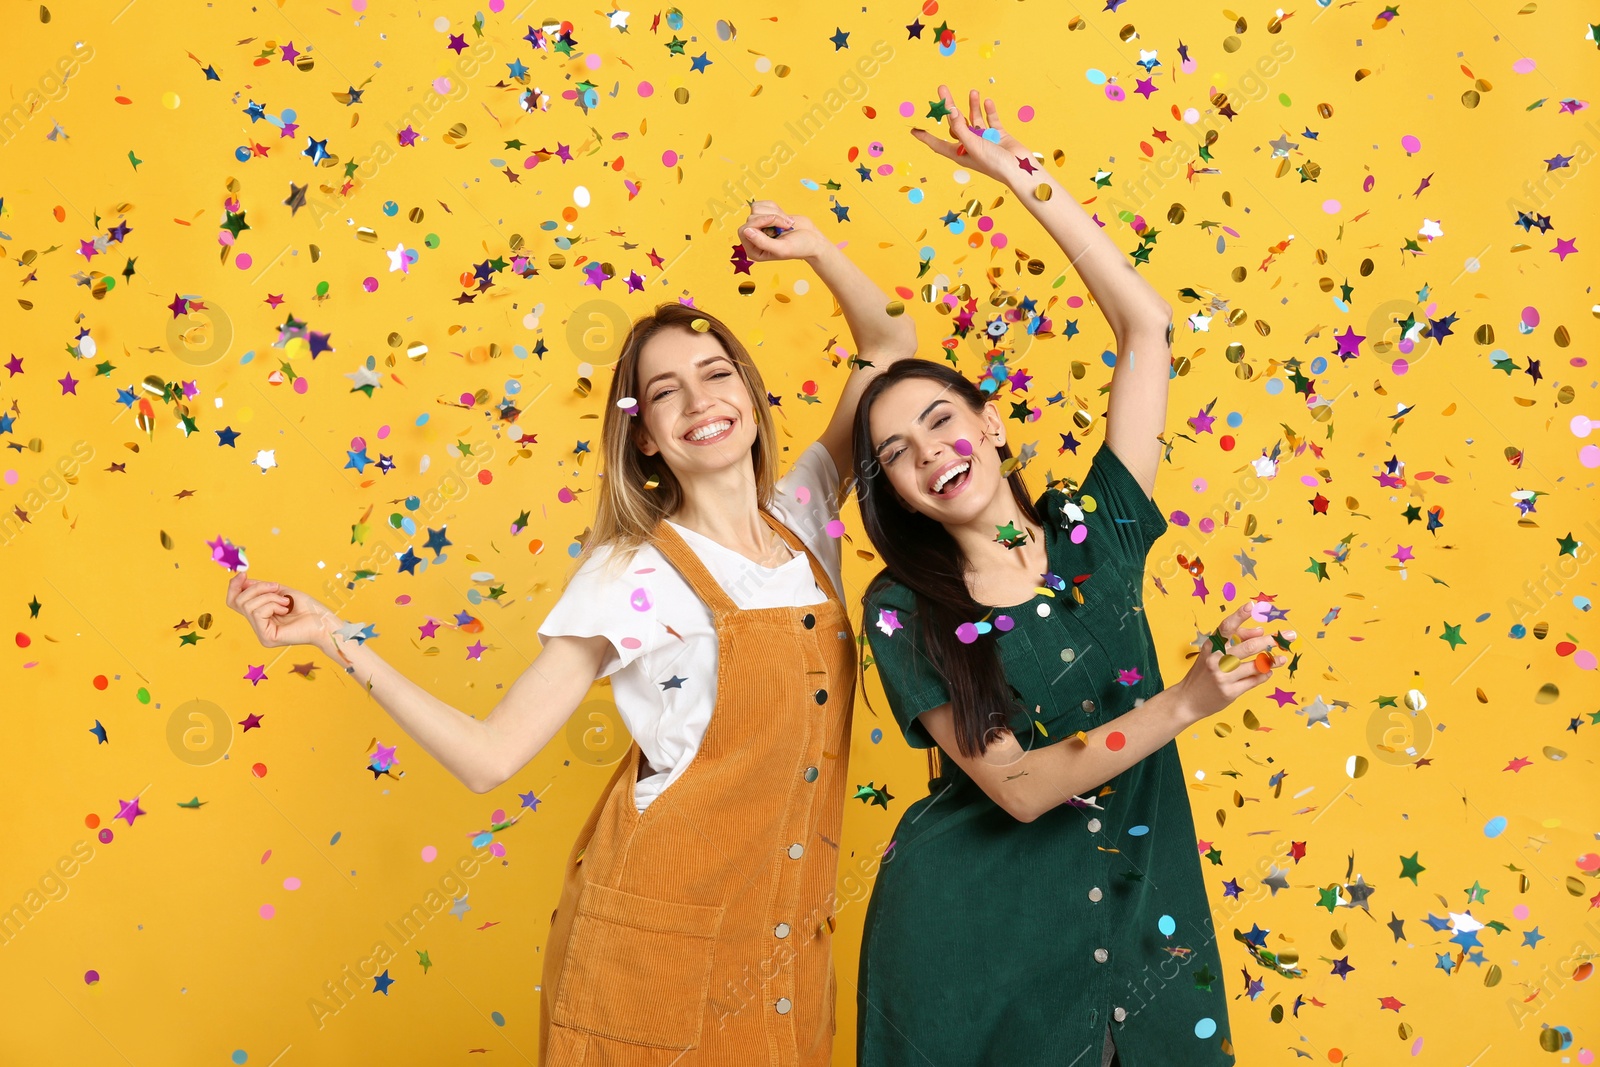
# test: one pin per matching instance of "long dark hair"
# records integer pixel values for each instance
(919, 553)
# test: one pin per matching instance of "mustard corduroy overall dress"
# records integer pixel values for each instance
(698, 932)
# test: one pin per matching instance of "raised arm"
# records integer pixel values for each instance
(880, 338)
(1139, 317)
(482, 753)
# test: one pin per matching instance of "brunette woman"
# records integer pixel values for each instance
(1044, 904)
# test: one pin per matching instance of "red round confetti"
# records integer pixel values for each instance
(1565, 648)
(485, 477)
(1115, 741)
(259, 770)
(100, 681)
(91, 820)
(1226, 441)
(809, 388)
(23, 640)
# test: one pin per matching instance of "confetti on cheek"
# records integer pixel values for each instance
(963, 447)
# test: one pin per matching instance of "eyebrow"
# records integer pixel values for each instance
(896, 437)
(703, 362)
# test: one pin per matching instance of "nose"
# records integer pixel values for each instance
(695, 399)
(929, 451)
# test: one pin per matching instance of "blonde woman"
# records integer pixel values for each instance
(695, 919)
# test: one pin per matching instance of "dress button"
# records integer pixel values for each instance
(781, 930)
(1094, 826)
(796, 850)
(782, 1005)
(1101, 955)
(822, 696)
(811, 774)
(810, 620)
(1088, 705)
(1095, 894)
(1119, 1013)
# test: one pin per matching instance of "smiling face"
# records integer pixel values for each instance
(696, 410)
(915, 426)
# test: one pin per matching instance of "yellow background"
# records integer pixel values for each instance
(169, 913)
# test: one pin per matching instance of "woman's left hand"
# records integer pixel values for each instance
(799, 239)
(1001, 158)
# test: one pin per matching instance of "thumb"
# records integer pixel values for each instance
(757, 241)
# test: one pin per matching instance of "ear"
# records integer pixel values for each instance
(993, 424)
(643, 441)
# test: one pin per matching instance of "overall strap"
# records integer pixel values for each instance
(818, 571)
(683, 558)
(677, 551)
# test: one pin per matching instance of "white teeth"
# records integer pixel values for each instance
(960, 468)
(709, 431)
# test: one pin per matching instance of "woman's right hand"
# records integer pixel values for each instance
(278, 614)
(1209, 687)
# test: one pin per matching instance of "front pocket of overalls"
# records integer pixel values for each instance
(637, 969)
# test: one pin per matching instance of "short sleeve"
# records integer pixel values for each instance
(1133, 518)
(910, 680)
(600, 601)
(805, 499)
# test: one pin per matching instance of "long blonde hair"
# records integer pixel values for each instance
(628, 512)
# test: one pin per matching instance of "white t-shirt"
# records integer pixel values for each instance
(663, 656)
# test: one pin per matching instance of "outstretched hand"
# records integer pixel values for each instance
(980, 143)
(278, 614)
(770, 234)
(1218, 678)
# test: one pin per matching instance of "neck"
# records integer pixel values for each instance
(722, 505)
(976, 538)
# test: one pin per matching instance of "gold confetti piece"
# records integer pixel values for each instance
(700, 325)
(1042, 191)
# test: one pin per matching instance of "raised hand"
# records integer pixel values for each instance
(280, 615)
(1218, 678)
(980, 143)
(770, 234)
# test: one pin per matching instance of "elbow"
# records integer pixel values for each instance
(1018, 806)
(486, 780)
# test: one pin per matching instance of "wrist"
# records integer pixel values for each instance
(328, 639)
(1181, 707)
(828, 253)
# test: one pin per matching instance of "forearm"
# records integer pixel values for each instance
(1123, 294)
(460, 743)
(1051, 776)
(865, 306)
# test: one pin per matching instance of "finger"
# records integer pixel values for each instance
(973, 109)
(767, 206)
(1231, 623)
(769, 219)
(990, 117)
(250, 601)
(944, 148)
(953, 115)
(756, 241)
